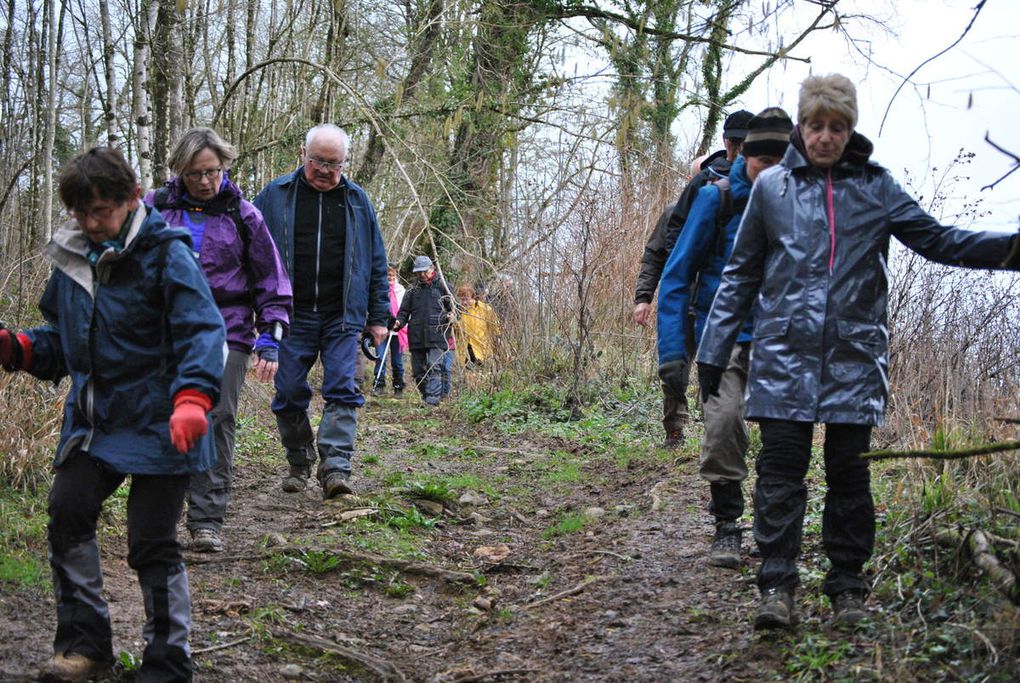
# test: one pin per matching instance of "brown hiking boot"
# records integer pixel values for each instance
(296, 479)
(674, 440)
(848, 608)
(206, 541)
(71, 668)
(775, 609)
(725, 550)
(336, 484)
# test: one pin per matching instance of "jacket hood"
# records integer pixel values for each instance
(717, 165)
(740, 184)
(68, 248)
(856, 154)
(229, 193)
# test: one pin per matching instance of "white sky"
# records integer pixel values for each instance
(925, 130)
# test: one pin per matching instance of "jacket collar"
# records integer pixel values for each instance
(856, 156)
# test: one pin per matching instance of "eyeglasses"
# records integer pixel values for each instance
(100, 213)
(198, 175)
(328, 165)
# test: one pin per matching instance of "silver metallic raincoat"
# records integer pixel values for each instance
(810, 259)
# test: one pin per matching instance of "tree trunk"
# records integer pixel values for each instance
(141, 104)
(113, 135)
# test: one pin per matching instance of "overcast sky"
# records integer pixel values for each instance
(925, 130)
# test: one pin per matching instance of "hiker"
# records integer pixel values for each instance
(689, 283)
(811, 261)
(395, 345)
(326, 230)
(478, 327)
(250, 287)
(427, 310)
(130, 318)
(657, 250)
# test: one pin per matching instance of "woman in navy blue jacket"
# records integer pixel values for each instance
(130, 319)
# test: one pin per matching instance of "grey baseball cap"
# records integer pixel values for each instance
(421, 264)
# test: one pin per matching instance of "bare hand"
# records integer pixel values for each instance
(265, 370)
(642, 312)
(378, 332)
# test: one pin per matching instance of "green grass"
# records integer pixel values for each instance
(569, 523)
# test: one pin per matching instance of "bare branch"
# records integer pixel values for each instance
(977, 11)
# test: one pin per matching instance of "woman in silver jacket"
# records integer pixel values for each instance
(810, 260)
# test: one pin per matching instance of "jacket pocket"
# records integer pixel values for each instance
(859, 331)
(771, 327)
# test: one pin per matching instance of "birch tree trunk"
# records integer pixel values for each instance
(53, 63)
(141, 104)
(113, 135)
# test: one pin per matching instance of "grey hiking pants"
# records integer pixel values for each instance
(154, 505)
(209, 491)
(427, 369)
(337, 431)
(724, 450)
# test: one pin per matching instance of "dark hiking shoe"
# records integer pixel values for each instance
(725, 550)
(206, 541)
(848, 608)
(72, 668)
(295, 480)
(674, 440)
(775, 609)
(336, 484)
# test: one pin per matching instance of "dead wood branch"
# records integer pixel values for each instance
(221, 646)
(996, 447)
(564, 594)
(382, 668)
(976, 546)
(1016, 165)
(406, 566)
(501, 674)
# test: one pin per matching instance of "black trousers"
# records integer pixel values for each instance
(848, 522)
(154, 506)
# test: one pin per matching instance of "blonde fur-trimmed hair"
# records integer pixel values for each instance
(834, 93)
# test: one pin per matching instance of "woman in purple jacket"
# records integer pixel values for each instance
(250, 286)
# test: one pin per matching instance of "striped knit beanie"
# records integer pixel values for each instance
(768, 134)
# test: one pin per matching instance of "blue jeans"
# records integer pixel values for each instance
(426, 366)
(396, 360)
(446, 374)
(314, 335)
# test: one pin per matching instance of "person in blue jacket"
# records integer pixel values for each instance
(130, 319)
(327, 233)
(693, 271)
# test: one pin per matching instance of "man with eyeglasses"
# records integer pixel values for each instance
(326, 230)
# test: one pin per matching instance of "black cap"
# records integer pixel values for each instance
(736, 125)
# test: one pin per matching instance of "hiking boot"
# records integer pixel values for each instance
(295, 480)
(336, 484)
(206, 541)
(71, 668)
(674, 440)
(848, 608)
(725, 550)
(775, 609)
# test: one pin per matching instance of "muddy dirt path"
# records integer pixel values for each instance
(563, 562)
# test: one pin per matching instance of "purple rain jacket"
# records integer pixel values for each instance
(252, 290)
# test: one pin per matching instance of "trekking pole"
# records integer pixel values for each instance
(381, 370)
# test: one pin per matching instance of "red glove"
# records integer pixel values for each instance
(15, 351)
(189, 422)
